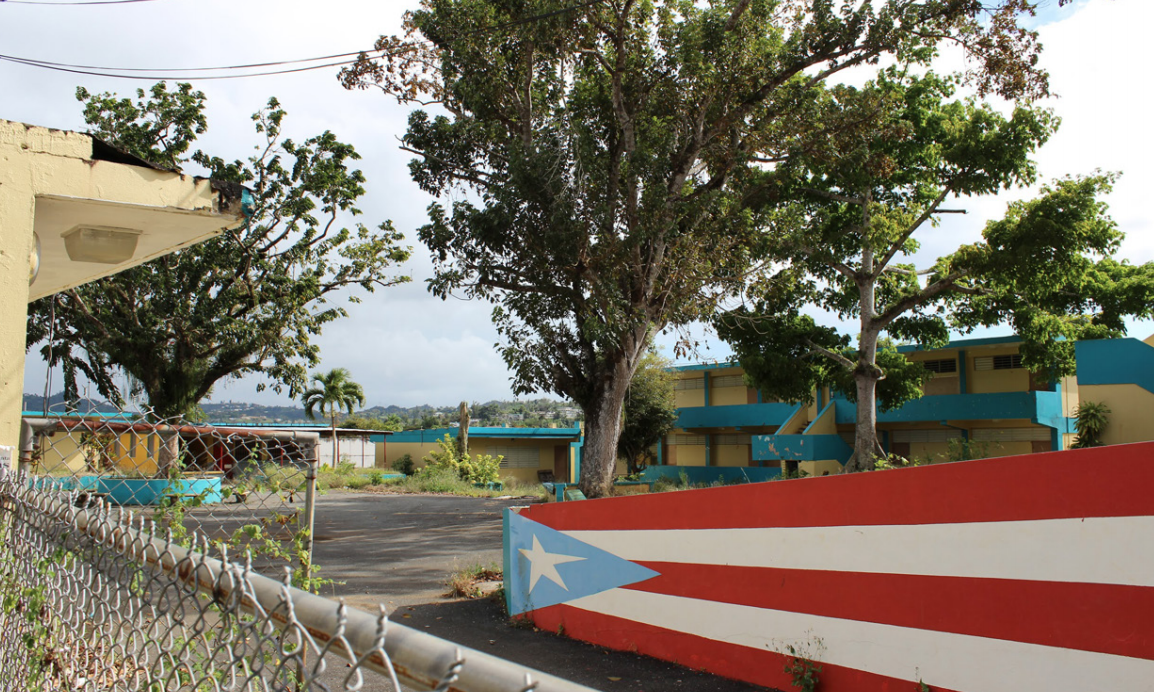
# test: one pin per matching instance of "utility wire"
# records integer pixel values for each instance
(89, 2)
(346, 58)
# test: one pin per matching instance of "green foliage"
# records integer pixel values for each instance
(477, 468)
(893, 461)
(650, 411)
(875, 172)
(248, 301)
(965, 449)
(334, 391)
(1092, 419)
(404, 464)
(376, 477)
(802, 667)
(600, 174)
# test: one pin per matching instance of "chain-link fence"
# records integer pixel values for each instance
(100, 598)
(252, 489)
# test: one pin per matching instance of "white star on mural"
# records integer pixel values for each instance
(543, 564)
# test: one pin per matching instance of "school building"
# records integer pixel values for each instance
(530, 454)
(979, 392)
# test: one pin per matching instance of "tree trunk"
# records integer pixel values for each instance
(603, 426)
(168, 455)
(866, 376)
(463, 431)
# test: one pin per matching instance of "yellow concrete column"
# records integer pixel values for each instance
(17, 211)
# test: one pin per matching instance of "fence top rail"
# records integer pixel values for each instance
(90, 425)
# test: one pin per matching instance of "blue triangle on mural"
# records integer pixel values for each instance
(548, 567)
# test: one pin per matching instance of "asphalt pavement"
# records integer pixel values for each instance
(400, 550)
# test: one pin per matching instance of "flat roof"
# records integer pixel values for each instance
(434, 434)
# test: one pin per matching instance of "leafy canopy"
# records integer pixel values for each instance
(601, 167)
(249, 301)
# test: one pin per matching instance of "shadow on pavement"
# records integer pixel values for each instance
(481, 624)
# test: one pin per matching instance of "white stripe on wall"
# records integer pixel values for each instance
(940, 659)
(1099, 550)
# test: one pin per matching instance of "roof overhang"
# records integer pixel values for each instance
(157, 230)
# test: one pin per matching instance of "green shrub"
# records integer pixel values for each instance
(404, 465)
(356, 482)
(376, 477)
(1091, 420)
(480, 468)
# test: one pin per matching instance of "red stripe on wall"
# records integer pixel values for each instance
(1104, 618)
(766, 668)
(1100, 482)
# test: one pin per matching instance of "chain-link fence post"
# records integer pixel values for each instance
(310, 512)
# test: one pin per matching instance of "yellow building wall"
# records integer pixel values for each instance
(992, 381)
(1071, 396)
(1131, 417)
(691, 455)
(689, 398)
(389, 452)
(729, 396)
(730, 455)
(74, 453)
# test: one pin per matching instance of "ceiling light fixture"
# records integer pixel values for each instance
(100, 244)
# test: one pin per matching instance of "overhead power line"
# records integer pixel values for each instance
(300, 65)
(88, 2)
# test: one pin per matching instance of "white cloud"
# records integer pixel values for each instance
(403, 344)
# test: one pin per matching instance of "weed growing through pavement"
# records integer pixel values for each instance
(466, 583)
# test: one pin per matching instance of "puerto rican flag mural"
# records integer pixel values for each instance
(1004, 575)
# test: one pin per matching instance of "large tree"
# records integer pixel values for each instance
(332, 392)
(864, 186)
(247, 302)
(608, 164)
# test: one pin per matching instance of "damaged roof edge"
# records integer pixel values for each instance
(234, 198)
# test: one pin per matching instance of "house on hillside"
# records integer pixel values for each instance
(529, 453)
(74, 209)
(979, 392)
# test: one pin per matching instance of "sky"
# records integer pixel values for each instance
(405, 346)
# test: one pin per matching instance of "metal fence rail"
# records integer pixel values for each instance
(101, 599)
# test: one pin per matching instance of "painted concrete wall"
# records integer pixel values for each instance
(1004, 575)
(390, 452)
(42, 168)
(1131, 417)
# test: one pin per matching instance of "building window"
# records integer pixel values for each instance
(1007, 362)
(727, 381)
(687, 439)
(690, 383)
(733, 439)
(516, 457)
(946, 365)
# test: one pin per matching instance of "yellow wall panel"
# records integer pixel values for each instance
(1131, 417)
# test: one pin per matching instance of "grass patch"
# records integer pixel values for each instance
(439, 481)
(466, 583)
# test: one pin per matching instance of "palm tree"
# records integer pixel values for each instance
(334, 391)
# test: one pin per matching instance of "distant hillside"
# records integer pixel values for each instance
(35, 402)
(527, 413)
